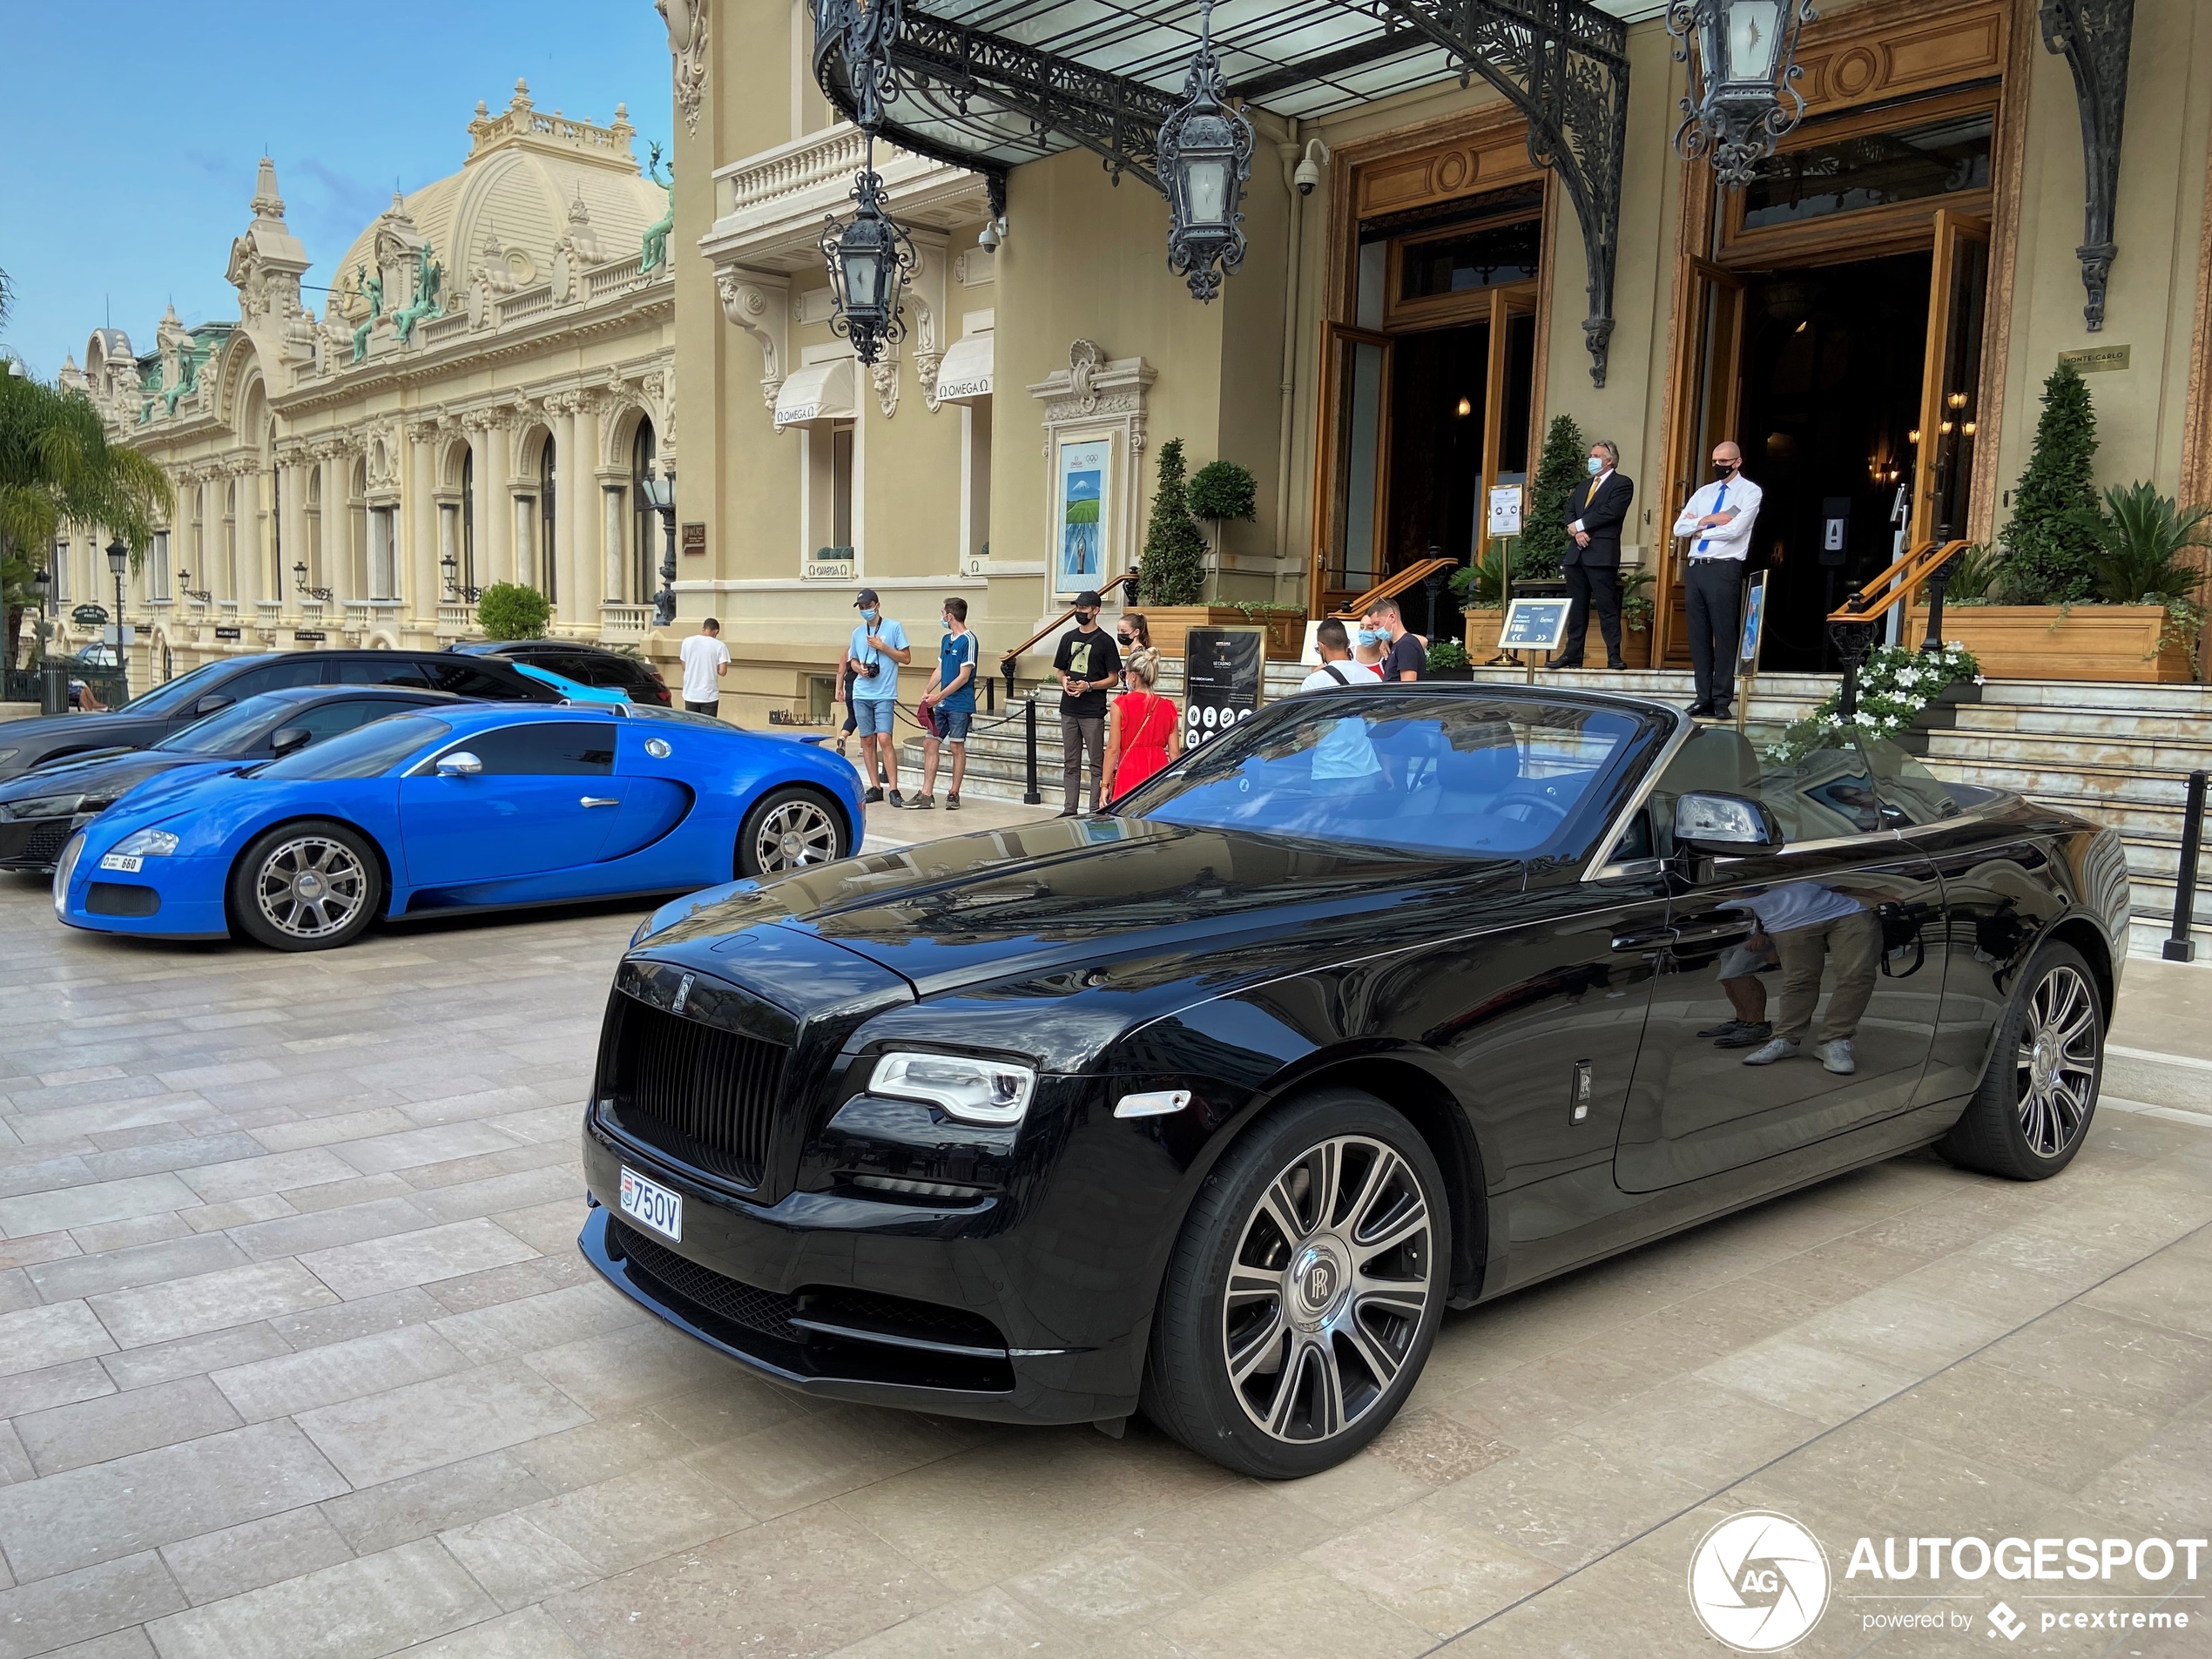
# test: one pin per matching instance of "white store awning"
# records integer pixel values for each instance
(965, 376)
(817, 395)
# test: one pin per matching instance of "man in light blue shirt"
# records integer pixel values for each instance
(878, 649)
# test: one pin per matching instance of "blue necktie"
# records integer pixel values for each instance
(1719, 501)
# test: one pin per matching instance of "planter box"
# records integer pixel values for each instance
(2046, 643)
(1286, 635)
(1635, 646)
(1483, 629)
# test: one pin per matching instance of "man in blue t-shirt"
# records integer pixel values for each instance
(877, 650)
(948, 706)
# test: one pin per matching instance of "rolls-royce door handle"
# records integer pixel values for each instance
(1722, 930)
(602, 800)
(1646, 939)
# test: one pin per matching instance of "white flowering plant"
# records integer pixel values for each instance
(1895, 684)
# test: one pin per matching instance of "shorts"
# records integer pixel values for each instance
(1741, 962)
(872, 715)
(951, 724)
(713, 707)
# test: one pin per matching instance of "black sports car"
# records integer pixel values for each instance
(40, 809)
(1387, 1000)
(587, 664)
(171, 706)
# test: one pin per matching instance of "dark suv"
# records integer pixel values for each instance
(146, 720)
(588, 665)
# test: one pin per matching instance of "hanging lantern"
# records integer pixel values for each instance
(869, 257)
(1742, 87)
(1205, 157)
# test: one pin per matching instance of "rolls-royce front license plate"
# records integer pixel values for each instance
(653, 1204)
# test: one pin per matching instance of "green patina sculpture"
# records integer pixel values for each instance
(374, 287)
(429, 275)
(189, 358)
(656, 252)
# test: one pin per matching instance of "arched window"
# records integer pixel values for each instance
(644, 521)
(548, 562)
(468, 520)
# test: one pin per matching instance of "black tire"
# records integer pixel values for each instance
(1299, 1322)
(2033, 1110)
(791, 829)
(314, 885)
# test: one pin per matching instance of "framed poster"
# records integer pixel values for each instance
(1083, 470)
(1754, 622)
(1534, 624)
(1221, 672)
(1505, 509)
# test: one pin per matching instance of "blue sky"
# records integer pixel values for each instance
(135, 129)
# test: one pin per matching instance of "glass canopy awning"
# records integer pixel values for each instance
(993, 84)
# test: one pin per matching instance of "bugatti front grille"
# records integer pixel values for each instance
(701, 1094)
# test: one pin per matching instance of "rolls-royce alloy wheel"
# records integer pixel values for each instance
(2029, 1116)
(1305, 1290)
(306, 887)
(789, 830)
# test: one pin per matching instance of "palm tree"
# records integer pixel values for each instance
(57, 467)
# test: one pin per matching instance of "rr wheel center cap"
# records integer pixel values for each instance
(1317, 1283)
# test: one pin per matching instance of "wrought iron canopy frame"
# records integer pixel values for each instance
(974, 96)
(2093, 36)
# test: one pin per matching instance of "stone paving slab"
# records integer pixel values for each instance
(297, 1360)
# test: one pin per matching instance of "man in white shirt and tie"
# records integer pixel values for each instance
(1720, 518)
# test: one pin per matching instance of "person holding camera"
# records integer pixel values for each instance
(878, 649)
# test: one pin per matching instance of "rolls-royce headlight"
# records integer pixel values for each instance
(49, 805)
(974, 1092)
(147, 844)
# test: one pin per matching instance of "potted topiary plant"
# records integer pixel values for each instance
(1171, 575)
(510, 611)
(1540, 551)
(1221, 491)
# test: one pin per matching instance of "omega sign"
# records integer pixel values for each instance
(977, 386)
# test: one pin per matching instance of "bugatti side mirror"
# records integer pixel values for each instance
(212, 702)
(459, 764)
(1724, 824)
(284, 740)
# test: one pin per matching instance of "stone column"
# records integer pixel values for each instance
(614, 498)
(496, 501)
(580, 517)
(422, 585)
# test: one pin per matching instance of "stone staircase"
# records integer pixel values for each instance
(2119, 754)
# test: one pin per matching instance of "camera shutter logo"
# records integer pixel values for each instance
(1759, 1581)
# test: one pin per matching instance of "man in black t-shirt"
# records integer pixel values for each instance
(1408, 659)
(1088, 665)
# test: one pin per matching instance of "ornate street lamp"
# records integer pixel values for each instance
(660, 496)
(869, 256)
(1205, 157)
(1742, 86)
(119, 564)
(299, 584)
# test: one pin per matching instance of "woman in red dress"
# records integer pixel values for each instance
(1143, 732)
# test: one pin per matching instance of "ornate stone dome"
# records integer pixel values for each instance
(530, 180)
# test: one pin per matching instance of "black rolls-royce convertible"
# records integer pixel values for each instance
(1386, 1001)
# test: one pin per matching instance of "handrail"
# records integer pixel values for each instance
(1899, 585)
(1127, 579)
(1405, 582)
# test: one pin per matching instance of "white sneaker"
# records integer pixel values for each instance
(1768, 1053)
(1836, 1056)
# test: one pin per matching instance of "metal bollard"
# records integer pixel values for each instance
(1029, 796)
(2181, 947)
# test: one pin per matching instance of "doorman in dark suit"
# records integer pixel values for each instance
(1594, 516)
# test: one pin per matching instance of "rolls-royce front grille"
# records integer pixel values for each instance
(703, 1095)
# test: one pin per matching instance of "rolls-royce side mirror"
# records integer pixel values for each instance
(284, 740)
(1724, 824)
(459, 764)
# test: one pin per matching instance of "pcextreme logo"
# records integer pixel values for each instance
(1759, 1581)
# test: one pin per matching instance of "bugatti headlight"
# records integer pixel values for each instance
(972, 1090)
(147, 844)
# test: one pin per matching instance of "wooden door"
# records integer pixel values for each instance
(1351, 475)
(1708, 397)
(1950, 378)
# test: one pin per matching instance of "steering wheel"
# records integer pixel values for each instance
(1533, 802)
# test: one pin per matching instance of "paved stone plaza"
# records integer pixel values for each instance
(300, 1359)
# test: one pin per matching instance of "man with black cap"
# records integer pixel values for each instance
(1088, 665)
(878, 649)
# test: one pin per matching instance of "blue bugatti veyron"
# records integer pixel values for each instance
(463, 808)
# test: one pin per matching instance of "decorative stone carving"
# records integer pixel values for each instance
(761, 306)
(884, 374)
(687, 44)
(576, 251)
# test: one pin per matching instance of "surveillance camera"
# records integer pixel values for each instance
(1306, 177)
(988, 242)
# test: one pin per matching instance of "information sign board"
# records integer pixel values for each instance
(1221, 673)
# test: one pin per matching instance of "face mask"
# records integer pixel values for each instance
(1596, 465)
(1724, 469)
(1371, 638)
(1125, 639)
(867, 616)
(1086, 617)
